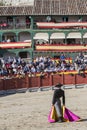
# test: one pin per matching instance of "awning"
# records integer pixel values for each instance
(57, 36)
(41, 36)
(74, 35)
(85, 35)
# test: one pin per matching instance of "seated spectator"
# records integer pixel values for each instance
(62, 57)
(16, 65)
(8, 40)
(81, 68)
(81, 56)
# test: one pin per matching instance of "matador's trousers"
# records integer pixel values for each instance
(58, 108)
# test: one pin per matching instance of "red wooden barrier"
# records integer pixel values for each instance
(58, 78)
(34, 82)
(21, 83)
(81, 79)
(69, 79)
(45, 81)
(49, 80)
(9, 84)
(1, 84)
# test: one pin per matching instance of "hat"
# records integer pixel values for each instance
(58, 85)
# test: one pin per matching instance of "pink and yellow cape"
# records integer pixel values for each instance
(68, 116)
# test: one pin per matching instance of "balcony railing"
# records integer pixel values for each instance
(13, 45)
(5, 26)
(62, 48)
(44, 25)
(62, 25)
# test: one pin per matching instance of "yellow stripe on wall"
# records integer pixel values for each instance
(60, 47)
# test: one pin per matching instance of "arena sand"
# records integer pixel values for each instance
(29, 111)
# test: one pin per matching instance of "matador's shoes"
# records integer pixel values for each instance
(60, 120)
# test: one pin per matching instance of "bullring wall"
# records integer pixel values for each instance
(42, 81)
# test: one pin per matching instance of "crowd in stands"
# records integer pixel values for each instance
(9, 24)
(42, 64)
(9, 40)
(80, 62)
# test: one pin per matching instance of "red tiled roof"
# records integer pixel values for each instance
(48, 7)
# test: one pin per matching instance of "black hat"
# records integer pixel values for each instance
(58, 85)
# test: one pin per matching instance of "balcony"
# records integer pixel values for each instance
(62, 25)
(62, 48)
(44, 25)
(15, 45)
(7, 26)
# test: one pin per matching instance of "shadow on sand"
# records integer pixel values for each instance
(82, 120)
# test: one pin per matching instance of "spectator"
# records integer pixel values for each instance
(8, 40)
(62, 57)
(40, 64)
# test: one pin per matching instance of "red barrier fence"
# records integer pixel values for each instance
(42, 81)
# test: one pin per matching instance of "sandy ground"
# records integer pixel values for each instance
(29, 111)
